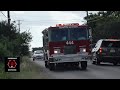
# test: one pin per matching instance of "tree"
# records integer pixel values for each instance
(105, 24)
(13, 42)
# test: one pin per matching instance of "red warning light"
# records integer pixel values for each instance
(70, 24)
(12, 64)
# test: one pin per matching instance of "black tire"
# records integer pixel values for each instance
(33, 59)
(98, 62)
(94, 58)
(115, 63)
(83, 65)
(94, 62)
(46, 65)
(51, 66)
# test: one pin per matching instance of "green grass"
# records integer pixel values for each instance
(3, 74)
(28, 70)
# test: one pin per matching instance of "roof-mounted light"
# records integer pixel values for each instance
(68, 25)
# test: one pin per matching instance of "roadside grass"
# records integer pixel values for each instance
(28, 70)
(3, 74)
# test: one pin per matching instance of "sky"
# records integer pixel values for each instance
(37, 21)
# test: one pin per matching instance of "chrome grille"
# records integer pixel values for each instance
(71, 49)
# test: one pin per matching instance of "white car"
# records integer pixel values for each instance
(38, 54)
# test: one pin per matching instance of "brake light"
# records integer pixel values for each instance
(100, 50)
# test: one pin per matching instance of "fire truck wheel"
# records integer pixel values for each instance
(33, 59)
(115, 63)
(51, 66)
(83, 65)
(46, 65)
(94, 62)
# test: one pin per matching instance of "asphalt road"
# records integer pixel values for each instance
(103, 71)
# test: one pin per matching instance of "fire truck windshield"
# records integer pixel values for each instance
(78, 34)
(64, 34)
(59, 34)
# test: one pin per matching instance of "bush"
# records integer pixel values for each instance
(4, 52)
(13, 43)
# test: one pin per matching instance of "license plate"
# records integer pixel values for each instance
(112, 50)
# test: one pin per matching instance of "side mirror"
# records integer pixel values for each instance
(90, 37)
(90, 31)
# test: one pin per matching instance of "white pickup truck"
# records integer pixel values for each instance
(38, 54)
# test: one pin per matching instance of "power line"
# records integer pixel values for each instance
(95, 20)
(15, 17)
(14, 14)
(51, 20)
(3, 14)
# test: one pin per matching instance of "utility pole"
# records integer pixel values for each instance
(19, 24)
(90, 30)
(87, 17)
(8, 15)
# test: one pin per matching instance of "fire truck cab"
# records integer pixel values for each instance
(67, 44)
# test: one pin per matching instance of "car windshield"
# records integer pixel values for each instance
(115, 44)
(38, 52)
(65, 34)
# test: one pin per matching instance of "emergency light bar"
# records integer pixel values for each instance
(68, 25)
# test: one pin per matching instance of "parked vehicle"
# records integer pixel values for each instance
(106, 50)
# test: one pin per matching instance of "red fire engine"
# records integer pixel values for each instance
(66, 44)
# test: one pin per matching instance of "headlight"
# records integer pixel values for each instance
(56, 51)
(82, 49)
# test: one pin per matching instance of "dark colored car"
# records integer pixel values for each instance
(106, 50)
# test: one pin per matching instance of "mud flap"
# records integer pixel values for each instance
(83, 65)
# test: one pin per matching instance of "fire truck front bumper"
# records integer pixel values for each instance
(69, 58)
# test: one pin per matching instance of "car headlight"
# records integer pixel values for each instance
(82, 49)
(56, 51)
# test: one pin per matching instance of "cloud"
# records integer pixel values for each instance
(19, 12)
(36, 32)
(65, 17)
(37, 21)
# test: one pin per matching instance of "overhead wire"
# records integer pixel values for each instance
(3, 14)
(40, 21)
